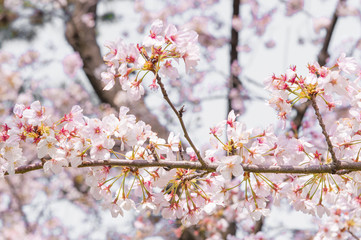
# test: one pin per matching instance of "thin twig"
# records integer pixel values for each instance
(195, 175)
(353, 235)
(180, 150)
(154, 154)
(335, 162)
(20, 205)
(179, 115)
(324, 55)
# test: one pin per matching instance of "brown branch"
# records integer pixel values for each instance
(321, 58)
(353, 235)
(234, 81)
(179, 114)
(234, 84)
(83, 40)
(324, 55)
(335, 162)
(258, 225)
(194, 175)
(342, 168)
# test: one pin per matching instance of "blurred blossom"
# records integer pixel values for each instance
(270, 43)
(12, 4)
(28, 58)
(347, 10)
(198, 24)
(72, 63)
(236, 68)
(260, 23)
(10, 84)
(5, 57)
(88, 20)
(320, 23)
(293, 7)
(244, 48)
(237, 23)
(237, 100)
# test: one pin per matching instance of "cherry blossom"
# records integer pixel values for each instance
(230, 166)
(155, 34)
(56, 164)
(129, 167)
(71, 64)
(347, 64)
(35, 113)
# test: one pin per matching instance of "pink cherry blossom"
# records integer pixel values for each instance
(347, 64)
(230, 166)
(47, 146)
(35, 113)
(12, 156)
(168, 71)
(55, 164)
(100, 149)
(321, 23)
(155, 34)
(108, 78)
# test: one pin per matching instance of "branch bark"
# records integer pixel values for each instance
(234, 81)
(179, 115)
(324, 55)
(335, 162)
(342, 168)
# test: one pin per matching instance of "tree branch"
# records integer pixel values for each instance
(234, 81)
(353, 235)
(342, 168)
(321, 58)
(324, 55)
(179, 114)
(335, 162)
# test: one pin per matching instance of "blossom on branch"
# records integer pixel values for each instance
(230, 166)
(132, 168)
(129, 64)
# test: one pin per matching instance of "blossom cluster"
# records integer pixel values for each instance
(129, 64)
(330, 85)
(176, 193)
(130, 167)
(75, 138)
